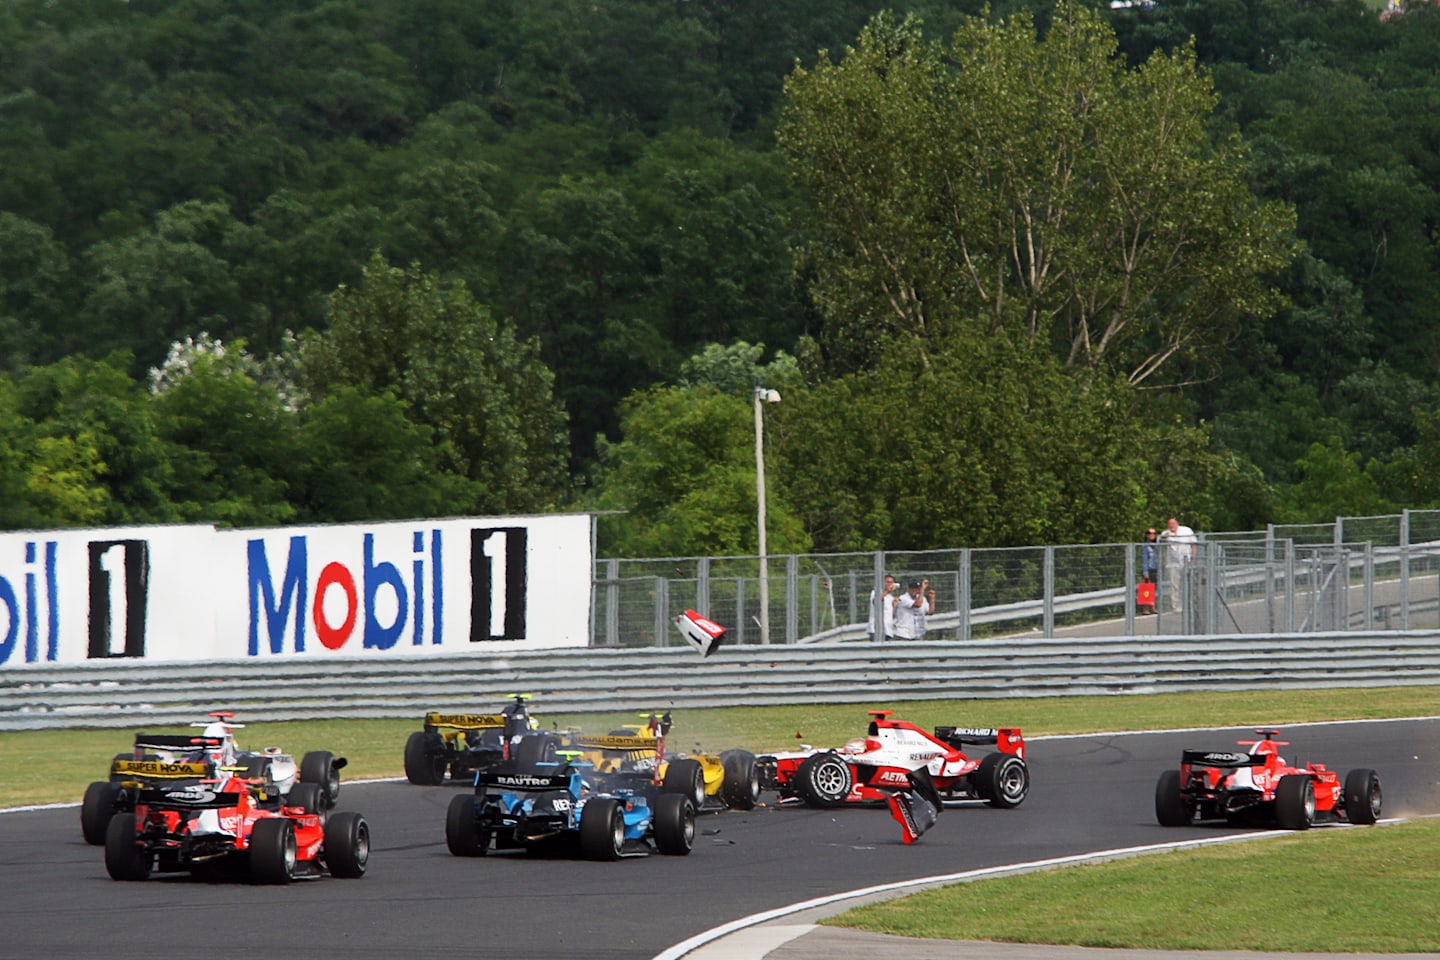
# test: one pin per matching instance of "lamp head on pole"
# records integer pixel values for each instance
(769, 396)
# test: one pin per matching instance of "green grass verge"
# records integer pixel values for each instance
(1371, 890)
(1324, 891)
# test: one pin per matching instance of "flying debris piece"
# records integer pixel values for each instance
(704, 634)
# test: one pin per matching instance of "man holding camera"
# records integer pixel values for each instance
(911, 609)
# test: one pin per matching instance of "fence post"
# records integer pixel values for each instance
(1369, 581)
(1130, 587)
(792, 598)
(662, 611)
(1405, 570)
(1289, 586)
(1270, 577)
(964, 598)
(1048, 620)
(877, 609)
(702, 586)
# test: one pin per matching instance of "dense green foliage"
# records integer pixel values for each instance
(341, 262)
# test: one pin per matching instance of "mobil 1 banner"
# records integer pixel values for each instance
(377, 590)
(69, 596)
(435, 586)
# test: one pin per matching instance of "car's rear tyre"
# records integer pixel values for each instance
(462, 834)
(318, 766)
(309, 797)
(125, 856)
(823, 780)
(674, 824)
(1295, 802)
(96, 810)
(1171, 810)
(536, 748)
(425, 758)
(602, 829)
(686, 777)
(273, 852)
(1362, 796)
(741, 787)
(1002, 780)
(347, 845)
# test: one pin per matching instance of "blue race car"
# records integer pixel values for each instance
(544, 806)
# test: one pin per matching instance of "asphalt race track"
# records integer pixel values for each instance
(1088, 793)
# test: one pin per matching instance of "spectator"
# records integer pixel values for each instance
(887, 609)
(912, 608)
(1182, 547)
(1149, 573)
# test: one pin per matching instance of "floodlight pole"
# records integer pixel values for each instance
(765, 396)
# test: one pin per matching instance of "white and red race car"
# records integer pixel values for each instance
(873, 767)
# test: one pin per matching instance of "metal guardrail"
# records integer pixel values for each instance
(135, 694)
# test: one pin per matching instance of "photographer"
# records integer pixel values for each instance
(911, 609)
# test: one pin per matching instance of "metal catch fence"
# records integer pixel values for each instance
(1358, 573)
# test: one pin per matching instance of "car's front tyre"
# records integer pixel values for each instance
(1002, 780)
(96, 810)
(823, 780)
(347, 845)
(1363, 798)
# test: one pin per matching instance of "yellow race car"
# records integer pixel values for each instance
(637, 755)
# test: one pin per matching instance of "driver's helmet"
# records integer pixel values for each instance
(858, 745)
(224, 754)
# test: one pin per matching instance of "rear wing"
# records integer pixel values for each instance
(466, 721)
(524, 782)
(194, 796)
(1222, 758)
(638, 746)
(976, 735)
(175, 741)
(159, 770)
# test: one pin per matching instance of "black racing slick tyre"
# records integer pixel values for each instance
(1362, 796)
(347, 845)
(125, 856)
(741, 787)
(96, 810)
(686, 777)
(536, 748)
(319, 766)
(1002, 780)
(674, 824)
(425, 759)
(1295, 802)
(462, 834)
(602, 829)
(309, 797)
(823, 780)
(1171, 810)
(273, 851)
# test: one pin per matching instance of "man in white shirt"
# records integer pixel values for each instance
(1181, 548)
(911, 609)
(887, 609)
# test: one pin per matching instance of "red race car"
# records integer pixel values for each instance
(1258, 786)
(218, 829)
(871, 768)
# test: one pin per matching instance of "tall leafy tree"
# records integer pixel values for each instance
(1032, 188)
(459, 371)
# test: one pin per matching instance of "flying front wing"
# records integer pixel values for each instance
(702, 633)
